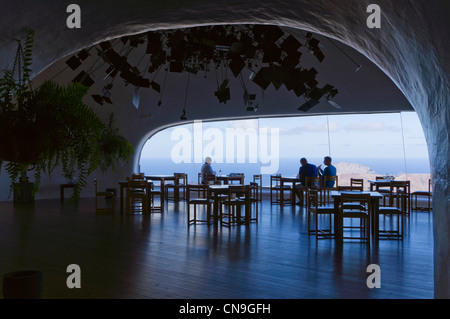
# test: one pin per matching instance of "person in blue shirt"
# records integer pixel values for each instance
(329, 170)
(306, 170)
(206, 170)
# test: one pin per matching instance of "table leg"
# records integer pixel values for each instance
(176, 191)
(375, 218)
(121, 198)
(216, 209)
(293, 193)
(61, 193)
(338, 229)
(163, 189)
(248, 212)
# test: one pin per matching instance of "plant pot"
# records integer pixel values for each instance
(27, 284)
(24, 193)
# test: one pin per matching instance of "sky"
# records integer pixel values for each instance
(387, 135)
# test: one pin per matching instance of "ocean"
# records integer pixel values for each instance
(289, 167)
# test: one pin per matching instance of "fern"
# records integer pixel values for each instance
(51, 126)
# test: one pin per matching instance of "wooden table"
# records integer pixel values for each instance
(227, 179)
(339, 220)
(381, 183)
(123, 185)
(376, 184)
(293, 181)
(161, 179)
(217, 190)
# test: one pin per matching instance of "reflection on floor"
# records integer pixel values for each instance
(158, 256)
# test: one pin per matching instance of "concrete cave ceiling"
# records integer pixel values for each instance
(362, 86)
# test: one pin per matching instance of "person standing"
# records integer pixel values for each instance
(329, 170)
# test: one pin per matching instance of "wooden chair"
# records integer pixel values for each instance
(137, 176)
(199, 181)
(211, 179)
(237, 181)
(363, 215)
(381, 190)
(393, 212)
(154, 193)
(428, 194)
(106, 195)
(326, 198)
(194, 196)
(238, 196)
(254, 199)
(313, 208)
(258, 179)
(137, 197)
(356, 184)
(314, 183)
(394, 188)
(276, 189)
(179, 184)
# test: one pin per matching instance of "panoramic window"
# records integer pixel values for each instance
(361, 146)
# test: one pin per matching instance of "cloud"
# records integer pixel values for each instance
(311, 128)
(378, 126)
(244, 124)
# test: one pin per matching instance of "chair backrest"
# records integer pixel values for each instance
(312, 182)
(254, 189)
(361, 198)
(429, 185)
(275, 179)
(95, 183)
(210, 178)
(257, 178)
(395, 186)
(137, 176)
(180, 178)
(357, 184)
(238, 190)
(201, 191)
(330, 179)
(138, 185)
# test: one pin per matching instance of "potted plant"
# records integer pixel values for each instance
(48, 126)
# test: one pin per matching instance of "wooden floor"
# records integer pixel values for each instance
(159, 256)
